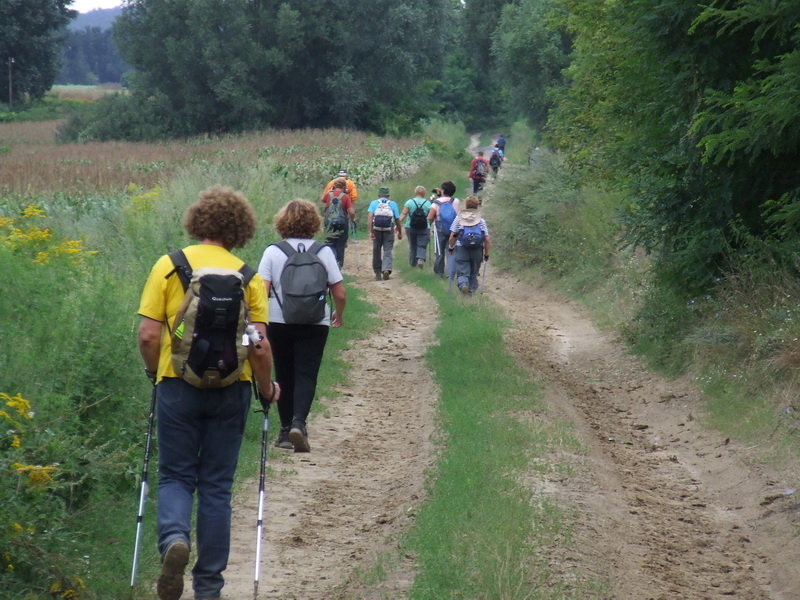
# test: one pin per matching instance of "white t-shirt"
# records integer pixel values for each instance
(271, 267)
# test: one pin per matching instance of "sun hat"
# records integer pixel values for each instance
(469, 217)
(384, 191)
(342, 173)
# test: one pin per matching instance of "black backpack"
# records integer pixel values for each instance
(206, 339)
(304, 284)
(419, 218)
(494, 159)
(335, 219)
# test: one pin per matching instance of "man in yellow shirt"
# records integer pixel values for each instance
(200, 430)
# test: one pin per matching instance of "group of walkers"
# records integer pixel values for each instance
(212, 330)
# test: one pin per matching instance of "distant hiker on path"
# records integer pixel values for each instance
(443, 212)
(469, 241)
(200, 429)
(298, 331)
(496, 160)
(352, 189)
(418, 228)
(339, 213)
(478, 171)
(383, 221)
(500, 142)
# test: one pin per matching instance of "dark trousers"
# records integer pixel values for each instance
(440, 263)
(477, 184)
(417, 244)
(337, 240)
(297, 355)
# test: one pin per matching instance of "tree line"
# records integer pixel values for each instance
(688, 108)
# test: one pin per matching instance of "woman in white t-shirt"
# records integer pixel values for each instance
(297, 349)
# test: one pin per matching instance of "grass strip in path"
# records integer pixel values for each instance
(485, 531)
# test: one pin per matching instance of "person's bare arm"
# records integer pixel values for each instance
(339, 301)
(150, 343)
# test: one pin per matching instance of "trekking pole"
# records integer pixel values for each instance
(483, 277)
(261, 495)
(144, 488)
(355, 243)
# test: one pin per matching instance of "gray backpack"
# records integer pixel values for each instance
(304, 284)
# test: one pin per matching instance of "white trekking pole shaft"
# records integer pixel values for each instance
(261, 496)
(144, 488)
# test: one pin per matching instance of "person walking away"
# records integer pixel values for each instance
(352, 188)
(298, 332)
(478, 171)
(418, 228)
(469, 241)
(442, 213)
(202, 407)
(339, 213)
(383, 221)
(496, 160)
(500, 142)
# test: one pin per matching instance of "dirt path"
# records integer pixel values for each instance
(667, 510)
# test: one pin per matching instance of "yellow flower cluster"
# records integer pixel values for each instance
(141, 201)
(37, 474)
(38, 239)
(70, 590)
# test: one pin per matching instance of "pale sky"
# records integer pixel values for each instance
(85, 6)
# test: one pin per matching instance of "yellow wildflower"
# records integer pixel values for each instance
(33, 211)
(37, 474)
(6, 221)
(15, 442)
(42, 258)
(20, 404)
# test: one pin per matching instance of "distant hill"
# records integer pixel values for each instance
(100, 17)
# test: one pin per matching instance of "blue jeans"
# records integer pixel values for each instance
(199, 435)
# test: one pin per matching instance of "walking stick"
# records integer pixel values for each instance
(483, 277)
(144, 488)
(355, 243)
(261, 495)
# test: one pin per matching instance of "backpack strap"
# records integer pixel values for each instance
(182, 268)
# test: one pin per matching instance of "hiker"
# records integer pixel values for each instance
(298, 342)
(339, 213)
(496, 160)
(478, 171)
(383, 221)
(500, 143)
(352, 189)
(469, 241)
(443, 212)
(417, 230)
(200, 430)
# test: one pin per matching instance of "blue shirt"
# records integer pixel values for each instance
(374, 204)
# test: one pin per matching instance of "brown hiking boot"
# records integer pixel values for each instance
(170, 582)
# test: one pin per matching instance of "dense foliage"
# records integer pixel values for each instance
(30, 46)
(91, 57)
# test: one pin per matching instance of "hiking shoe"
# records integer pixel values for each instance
(377, 276)
(282, 441)
(421, 263)
(170, 582)
(386, 275)
(464, 289)
(299, 438)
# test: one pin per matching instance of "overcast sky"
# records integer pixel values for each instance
(85, 6)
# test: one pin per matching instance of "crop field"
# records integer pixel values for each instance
(33, 163)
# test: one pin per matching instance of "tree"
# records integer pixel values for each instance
(32, 34)
(91, 57)
(227, 65)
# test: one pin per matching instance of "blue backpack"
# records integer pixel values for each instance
(447, 214)
(471, 236)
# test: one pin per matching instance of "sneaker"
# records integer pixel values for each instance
(386, 275)
(282, 441)
(464, 289)
(421, 263)
(299, 437)
(170, 582)
(377, 276)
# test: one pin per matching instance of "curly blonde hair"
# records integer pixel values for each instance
(298, 219)
(472, 202)
(221, 214)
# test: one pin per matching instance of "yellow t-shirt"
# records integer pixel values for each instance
(162, 296)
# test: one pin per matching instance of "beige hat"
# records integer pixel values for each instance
(469, 217)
